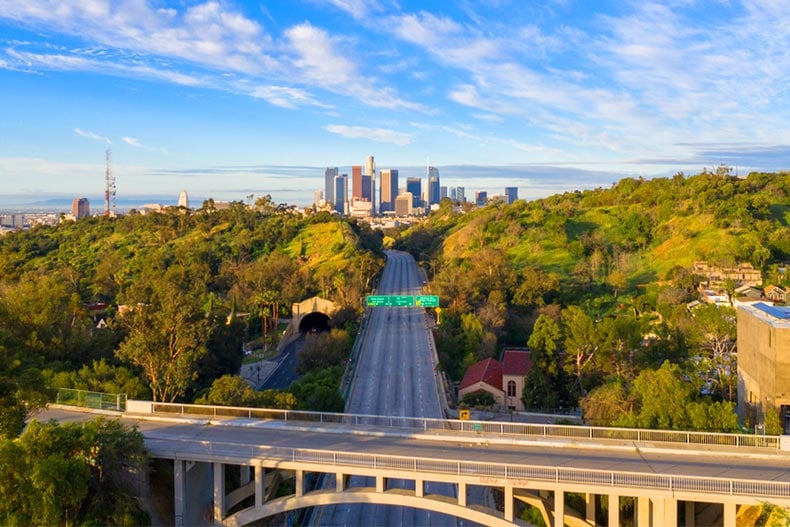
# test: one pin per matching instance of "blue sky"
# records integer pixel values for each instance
(229, 98)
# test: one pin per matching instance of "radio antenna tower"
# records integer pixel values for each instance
(109, 188)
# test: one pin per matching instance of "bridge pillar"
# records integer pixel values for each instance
(614, 510)
(691, 513)
(381, 484)
(244, 475)
(730, 511)
(299, 483)
(508, 503)
(179, 484)
(462, 494)
(589, 509)
(419, 488)
(559, 508)
(642, 512)
(340, 482)
(665, 511)
(260, 476)
(219, 492)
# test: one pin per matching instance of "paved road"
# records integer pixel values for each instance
(395, 376)
(240, 434)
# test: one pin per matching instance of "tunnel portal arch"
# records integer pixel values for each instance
(315, 322)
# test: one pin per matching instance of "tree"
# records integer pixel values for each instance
(73, 474)
(167, 335)
(545, 385)
(582, 344)
(713, 331)
(652, 407)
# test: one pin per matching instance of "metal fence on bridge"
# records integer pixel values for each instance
(88, 399)
(504, 429)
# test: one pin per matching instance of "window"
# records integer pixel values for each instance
(511, 388)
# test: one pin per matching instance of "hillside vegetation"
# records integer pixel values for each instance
(610, 268)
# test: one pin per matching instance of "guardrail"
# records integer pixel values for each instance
(495, 474)
(89, 399)
(504, 429)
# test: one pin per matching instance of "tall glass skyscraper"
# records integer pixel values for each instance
(434, 187)
(341, 193)
(511, 193)
(329, 185)
(414, 185)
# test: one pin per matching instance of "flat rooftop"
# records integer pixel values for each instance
(777, 316)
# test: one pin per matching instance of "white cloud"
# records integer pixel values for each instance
(374, 134)
(134, 142)
(91, 135)
(356, 8)
(286, 97)
(317, 58)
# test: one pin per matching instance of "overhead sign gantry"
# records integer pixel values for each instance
(402, 301)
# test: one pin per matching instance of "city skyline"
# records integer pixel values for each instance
(238, 97)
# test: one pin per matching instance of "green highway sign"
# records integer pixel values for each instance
(426, 300)
(377, 300)
(402, 301)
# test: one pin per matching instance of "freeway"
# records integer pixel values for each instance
(395, 375)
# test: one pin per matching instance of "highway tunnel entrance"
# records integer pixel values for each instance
(315, 322)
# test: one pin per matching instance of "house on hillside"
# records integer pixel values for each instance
(515, 366)
(741, 274)
(504, 380)
(777, 293)
(485, 375)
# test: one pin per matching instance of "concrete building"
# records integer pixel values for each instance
(370, 171)
(515, 366)
(763, 361)
(485, 375)
(318, 198)
(389, 189)
(80, 208)
(504, 380)
(356, 181)
(183, 199)
(403, 204)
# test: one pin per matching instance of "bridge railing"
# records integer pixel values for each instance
(502, 429)
(89, 399)
(494, 474)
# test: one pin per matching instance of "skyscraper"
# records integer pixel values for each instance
(512, 194)
(442, 193)
(460, 194)
(80, 208)
(183, 199)
(370, 170)
(389, 189)
(356, 181)
(434, 187)
(341, 193)
(329, 184)
(414, 186)
(481, 198)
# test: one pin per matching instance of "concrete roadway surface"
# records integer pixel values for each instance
(191, 436)
(395, 376)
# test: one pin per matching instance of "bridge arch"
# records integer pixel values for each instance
(395, 497)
